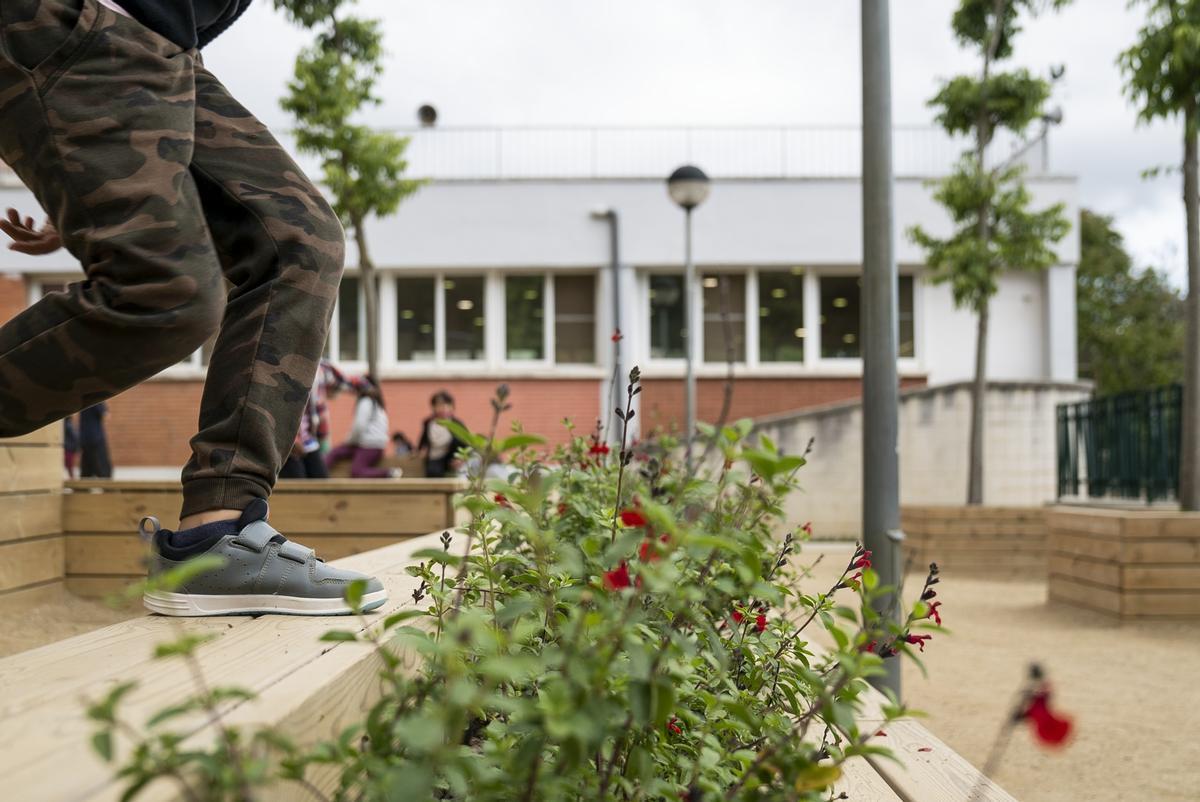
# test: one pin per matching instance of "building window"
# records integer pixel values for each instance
(416, 312)
(666, 317)
(350, 309)
(840, 316)
(781, 331)
(525, 319)
(464, 318)
(907, 344)
(575, 319)
(724, 317)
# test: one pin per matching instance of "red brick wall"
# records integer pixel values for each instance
(12, 297)
(151, 424)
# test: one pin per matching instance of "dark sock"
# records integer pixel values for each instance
(205, 534)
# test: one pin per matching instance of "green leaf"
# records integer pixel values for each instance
(102, 743)
(185, 645)
(354, 594)
(461, 432)
(520, 440)
(339, 636)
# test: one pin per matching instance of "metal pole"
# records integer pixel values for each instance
(689, 305)
(881, 492)
(620, 375)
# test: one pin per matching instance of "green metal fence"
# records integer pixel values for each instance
(1122, 446)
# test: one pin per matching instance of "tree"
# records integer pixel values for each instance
(363, 169)
(994, 228)
(1162, 73)
(1131, 323)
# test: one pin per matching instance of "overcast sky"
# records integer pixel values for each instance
(734, 62)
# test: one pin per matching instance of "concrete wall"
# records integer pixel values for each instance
(1019, 451)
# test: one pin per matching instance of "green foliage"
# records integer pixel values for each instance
(994, 228)
(605, 627)
(1162, 68)
(1131, 322)
(334, 79)
(1017, 237)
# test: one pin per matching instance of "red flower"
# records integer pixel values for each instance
(647, 552)
(868, 647)
(617, 578)
(864, 560)
(599, 448)
(807, 528)
(737, 617)
(881, 734)
(760, 623)
(917, 640)
(633, 518)
(617, 336)
(1050, 728)
(503, 501)
(562, 508)
(673, 726)
(934, 614)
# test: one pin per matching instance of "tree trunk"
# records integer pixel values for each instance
(370, 297)
(978, 401)
(1189, 457)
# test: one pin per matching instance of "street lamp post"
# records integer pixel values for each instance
(688, 186)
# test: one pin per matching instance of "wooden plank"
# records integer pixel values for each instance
(28, 562)
(1161, 577)
(25, 469)
(1085, 545)
(311, 512)
(861, 783)
(46, 436)
(1161, 551)
(1182, 525)
(1106, 523)
(421, 485)
(96, 553)
(102, 587)
(1173, 604)
(25, 515)
(1082, 594)
(1097, 572)
(930, 771)
(16, 602)
(42, 722)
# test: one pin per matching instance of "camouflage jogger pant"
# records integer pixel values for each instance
(188, 219)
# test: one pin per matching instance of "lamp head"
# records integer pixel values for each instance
(688, 186)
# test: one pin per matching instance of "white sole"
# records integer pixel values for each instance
(193, 604)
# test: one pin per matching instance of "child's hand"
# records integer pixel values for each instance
(28, 239)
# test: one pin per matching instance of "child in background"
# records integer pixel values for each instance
(70, 446)
(438, 445)
(368, 437)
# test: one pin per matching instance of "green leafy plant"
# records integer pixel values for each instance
(1162, 73)
(994, 228)
(607, 627)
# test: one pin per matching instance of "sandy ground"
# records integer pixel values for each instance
(1133, 690)
(60, 616)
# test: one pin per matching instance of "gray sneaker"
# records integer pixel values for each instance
(264, 572)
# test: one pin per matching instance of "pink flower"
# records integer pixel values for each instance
(618, 577)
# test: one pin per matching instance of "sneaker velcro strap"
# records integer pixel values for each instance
(256, 536)
(295, 552)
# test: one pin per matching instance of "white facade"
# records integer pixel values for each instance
(749, 228)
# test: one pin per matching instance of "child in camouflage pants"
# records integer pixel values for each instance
(188, 220)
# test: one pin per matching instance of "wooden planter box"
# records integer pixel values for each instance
(976, 540)
(31, 541)
(337, 517)
(1127, 563)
